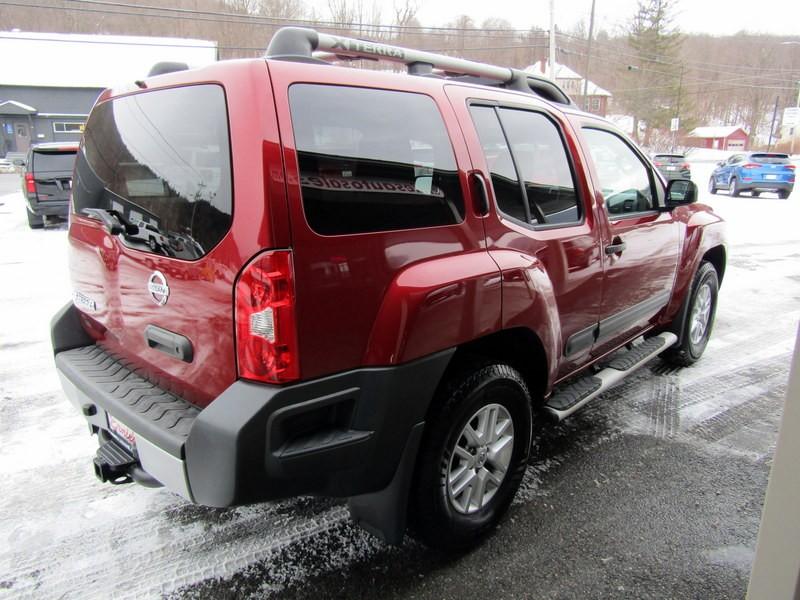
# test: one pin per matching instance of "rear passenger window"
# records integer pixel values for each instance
(373, 160)
(524, 145)
(624, 179)
(543, 166)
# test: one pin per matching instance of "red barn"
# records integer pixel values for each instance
(731, 137)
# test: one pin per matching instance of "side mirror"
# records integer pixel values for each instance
(19, 162)
(721, 163)
(680, 192)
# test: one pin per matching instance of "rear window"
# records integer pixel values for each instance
(668, 158)
(770, 159)
(161, 160)
(44, 162)
(373, 160)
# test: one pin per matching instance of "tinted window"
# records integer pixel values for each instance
(53, 161)
(672, 159)
(505, 182)
(373, 160)
(624, 179)
(161, 157)
(770, 159)
(543, 166)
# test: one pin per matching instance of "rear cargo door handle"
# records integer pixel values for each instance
(616, 247)
(170, 343)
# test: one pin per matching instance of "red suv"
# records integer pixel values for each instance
(370, 283)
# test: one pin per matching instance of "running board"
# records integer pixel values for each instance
(573, 397)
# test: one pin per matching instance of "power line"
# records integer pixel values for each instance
(320, 23)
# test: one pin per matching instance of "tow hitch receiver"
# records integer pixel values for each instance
(113, 463)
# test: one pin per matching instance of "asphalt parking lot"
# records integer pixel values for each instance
(655, 490)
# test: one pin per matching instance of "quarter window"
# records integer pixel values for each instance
(547, 194)
(624, 179)
(505, 182)
(373, 160)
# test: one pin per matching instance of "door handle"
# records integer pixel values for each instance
(480, 192)
(616, 247)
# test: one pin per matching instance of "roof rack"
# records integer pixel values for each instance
(307, 45)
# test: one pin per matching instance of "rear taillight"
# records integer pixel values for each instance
(685, 166)
(790, 167)
(751, 166)
(658, 164)
(30, 184)
(266, 331)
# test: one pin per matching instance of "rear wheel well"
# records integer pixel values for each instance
(519, 348)
(716, 256)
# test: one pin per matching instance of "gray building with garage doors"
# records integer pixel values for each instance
(47, 97)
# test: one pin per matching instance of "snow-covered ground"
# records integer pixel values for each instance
(65, 535)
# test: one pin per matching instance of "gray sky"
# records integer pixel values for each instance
(718, 17)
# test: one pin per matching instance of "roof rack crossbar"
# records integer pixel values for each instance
(300, 42)
(303, 44)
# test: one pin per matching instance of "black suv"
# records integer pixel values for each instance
(47, 181)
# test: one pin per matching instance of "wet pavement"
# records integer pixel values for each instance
(654, 490)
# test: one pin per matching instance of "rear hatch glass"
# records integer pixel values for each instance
(669, 159)
(48, 162)
(52, 173)
(770, 159)
(161, 161)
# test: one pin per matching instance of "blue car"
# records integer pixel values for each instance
(754, 172)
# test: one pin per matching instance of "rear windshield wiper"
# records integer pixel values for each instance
(114, 221)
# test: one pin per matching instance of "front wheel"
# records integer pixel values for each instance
(472, 459)
(712, 186)
(699, 319)
(734, 187)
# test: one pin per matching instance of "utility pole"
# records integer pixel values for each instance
(797, 122)
(677, 110)
(588, 61)
(551, 71)
(772, 126)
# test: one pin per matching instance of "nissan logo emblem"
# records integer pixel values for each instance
(158, 288)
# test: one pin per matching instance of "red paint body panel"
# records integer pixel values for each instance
(384, 298)
(344, 281)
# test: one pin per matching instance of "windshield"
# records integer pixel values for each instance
(161, 160)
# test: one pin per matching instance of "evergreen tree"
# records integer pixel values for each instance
(653, 83)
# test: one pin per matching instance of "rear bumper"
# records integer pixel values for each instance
(766, 186)
(52, 208)
(342, 435)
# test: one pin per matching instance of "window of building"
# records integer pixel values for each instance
(68, 127)
(595, 103)
(373, 160)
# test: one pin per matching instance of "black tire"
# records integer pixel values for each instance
(734, 187)
(784, 194)
(712, 186)
(755, 194)
(153, 245)
(688, 351)
(433, 516)
(34, 222)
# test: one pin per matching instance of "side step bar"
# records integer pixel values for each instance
(578, 393)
